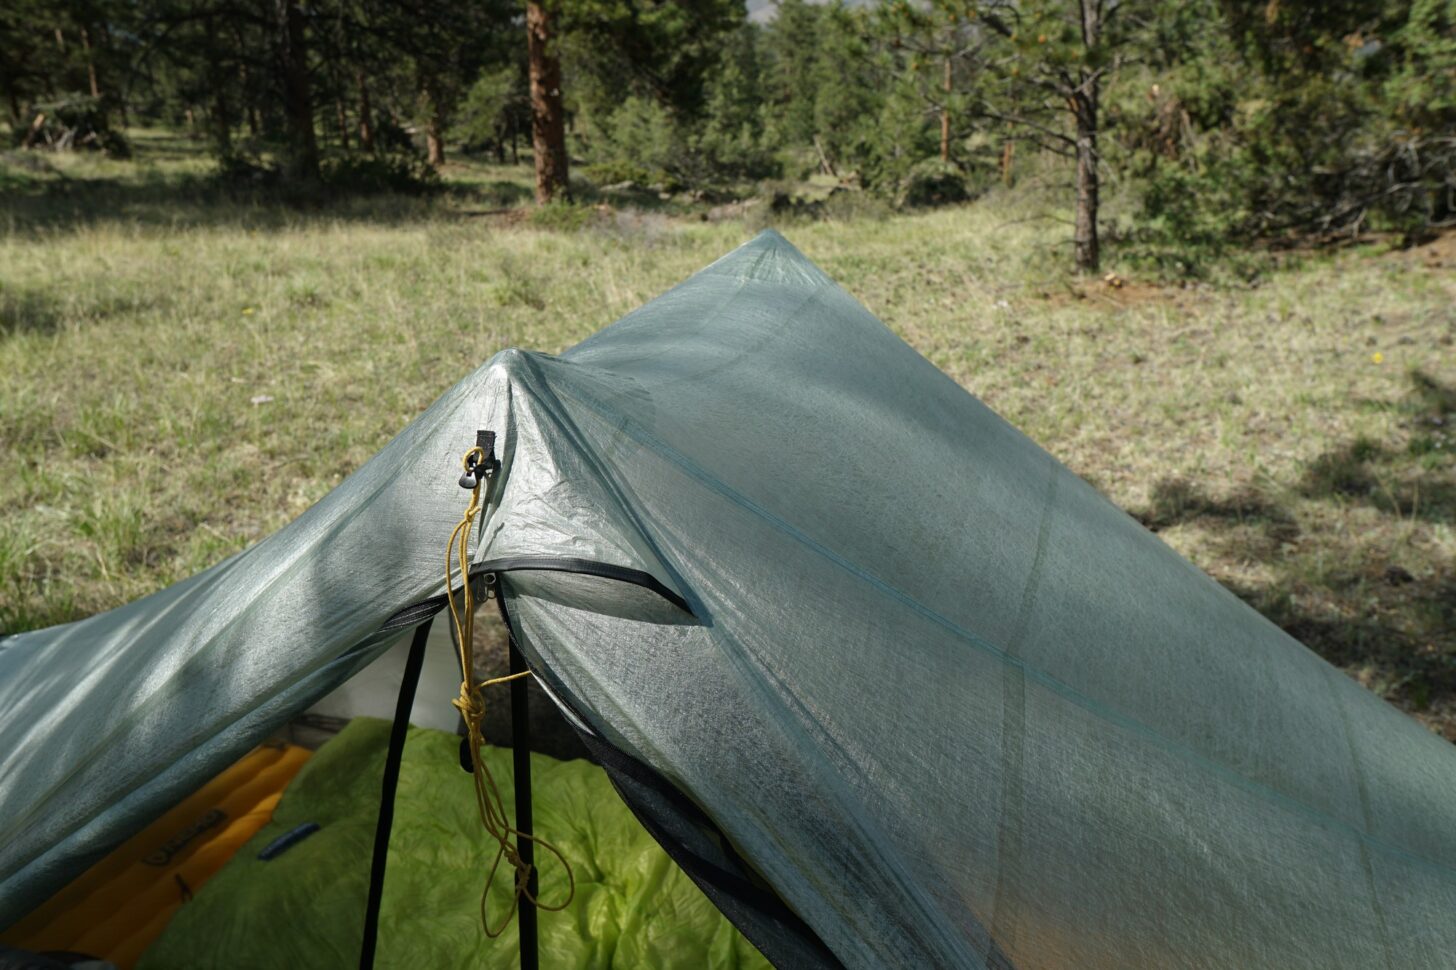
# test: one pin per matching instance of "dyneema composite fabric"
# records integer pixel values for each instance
(943, 700)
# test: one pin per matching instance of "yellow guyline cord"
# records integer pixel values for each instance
(472, 708)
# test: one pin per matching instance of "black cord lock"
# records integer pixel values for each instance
(482, 465)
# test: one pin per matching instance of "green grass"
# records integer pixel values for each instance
(183, 370)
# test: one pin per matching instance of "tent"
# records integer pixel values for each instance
(894, 686)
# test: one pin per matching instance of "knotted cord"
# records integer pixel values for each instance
(471, 706)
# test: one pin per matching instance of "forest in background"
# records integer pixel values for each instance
(328, 215)
(1217, 123)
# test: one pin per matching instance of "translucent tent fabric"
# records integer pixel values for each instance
(952, 706)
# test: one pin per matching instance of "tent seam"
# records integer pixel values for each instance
(1092, 706)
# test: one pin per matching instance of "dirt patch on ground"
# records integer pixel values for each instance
(1439, 253)
(1116, 291)
(502, 218)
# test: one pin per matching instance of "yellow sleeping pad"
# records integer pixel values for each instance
(115, 909)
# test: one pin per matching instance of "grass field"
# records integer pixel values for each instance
(184, 371)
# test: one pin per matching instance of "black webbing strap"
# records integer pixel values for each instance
(397, 734)
(521, 775)
(676, 823)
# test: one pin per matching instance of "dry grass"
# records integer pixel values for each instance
(183, 372)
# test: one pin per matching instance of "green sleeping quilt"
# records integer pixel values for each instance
(305, 907)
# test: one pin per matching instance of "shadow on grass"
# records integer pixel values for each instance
(1417, 483)
(1384, 645)
(1394, 628)
(186, 199)
(173, 183)
(28, 311)
(1177, 500)
(491, 193)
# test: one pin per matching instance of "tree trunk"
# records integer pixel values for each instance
(515, 131)
(90, 63)
(221, 119)
(548, 119)
(825, 165)
(366, 114)
(343, 116)
(1085, 235)
(945, 117)
(118, 93)
(1084, 105)
(302, 158)
(250, 111)
(434, 128)
(222, 128)
(34, 132)
(500, 143)
(1008, 158)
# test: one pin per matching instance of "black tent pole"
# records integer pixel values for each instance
(521, 770)
(397, 733)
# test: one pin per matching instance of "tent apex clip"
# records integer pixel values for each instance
(480, 462)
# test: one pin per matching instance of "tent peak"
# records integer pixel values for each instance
(769, 257)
